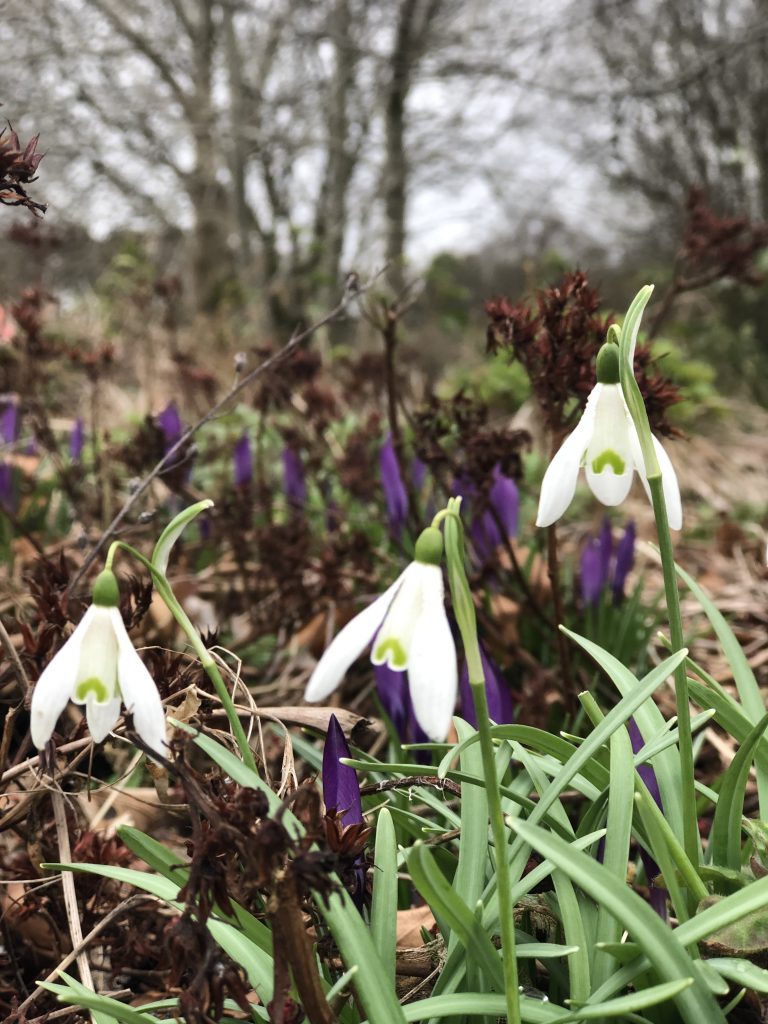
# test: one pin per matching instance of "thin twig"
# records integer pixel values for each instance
(68, 885)
(430, 781)
(240, 385)
(21, 675)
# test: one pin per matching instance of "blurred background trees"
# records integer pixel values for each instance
(255, 151)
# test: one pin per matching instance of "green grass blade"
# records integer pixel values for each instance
(384, 899)
(743, 676)
(617, 838)
(725, 836)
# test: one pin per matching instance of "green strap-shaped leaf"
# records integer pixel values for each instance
(725, 836)
(384, 899)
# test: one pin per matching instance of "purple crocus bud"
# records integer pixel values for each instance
(170, 423)
(341, 790)
(395, 494)
(77, 440)
(9, 423)
(7, 496)
(243, 462)
(625, 559)
(605, 540)
(418, 473)
(591, 574)
(500, 707)
(294, 484)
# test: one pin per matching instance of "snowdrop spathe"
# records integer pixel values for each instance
(606, 443)
(98, 667)
(410, 632)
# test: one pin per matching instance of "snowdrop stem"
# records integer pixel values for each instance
(464, 610)
(208, 662)
(636, 406)
(691, 841)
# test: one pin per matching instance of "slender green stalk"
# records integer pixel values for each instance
(691, 840)
(464, 611)
(163, 588)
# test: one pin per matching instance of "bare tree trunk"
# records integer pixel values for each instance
(414, 22)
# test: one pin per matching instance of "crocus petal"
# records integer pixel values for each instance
(341, 790)
(55, 685)
(559, 484)
(348, 645)
(101, 717)
(395, 494)
(138, 689)
(392, 688)
(432, 671)
(670, 486)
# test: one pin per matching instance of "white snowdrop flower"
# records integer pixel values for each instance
(605, 442)
(412, 634)
(98, 667)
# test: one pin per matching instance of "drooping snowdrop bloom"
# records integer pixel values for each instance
(411, 634)
(98, 667)
(605, 442)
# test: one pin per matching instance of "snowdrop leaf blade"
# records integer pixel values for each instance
(172, 532)
(348, 645)
(559, 484)
(432, 669)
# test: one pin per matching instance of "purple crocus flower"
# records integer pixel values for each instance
(77, 440)
(395, 495)
(500, 706)
(294, 484)
(596, 565)
(169, 422)
(341, 790)
(392, 688)
(500, 519)
(657, 897)
(243, 462)
(9, 423)
(625, 559)
(418, 473)
(7, 496)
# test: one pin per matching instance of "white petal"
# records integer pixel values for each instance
(669, 482)
(393, 642)
(559, 484)
(101, 717)
(348, 645)
(671, 487)
(56, 684)
(610, 454)
(97, 664)
(432, 671)
(140, 694)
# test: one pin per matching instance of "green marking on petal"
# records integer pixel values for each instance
(92, 685)
(609, 458)
(398, 660)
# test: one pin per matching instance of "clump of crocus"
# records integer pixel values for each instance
(243, 461)
(9, 435)
(411, 634)
(395, 494)
(500, 706)
(99, 667)
(602, 568)
(606, 443)
(496, 516)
